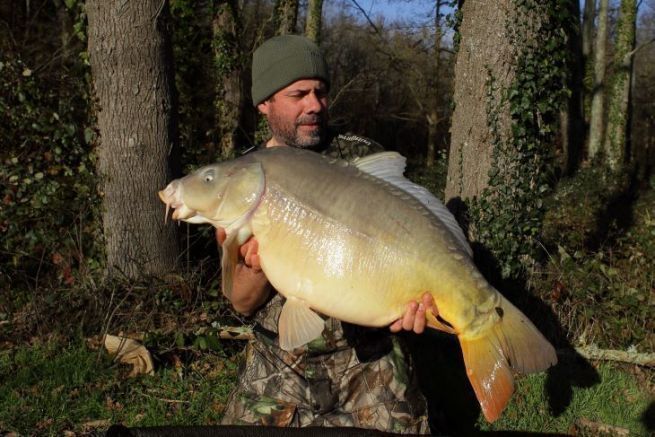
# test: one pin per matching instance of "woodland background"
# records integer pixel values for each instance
(534, 122)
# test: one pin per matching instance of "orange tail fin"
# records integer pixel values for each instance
(512, 345)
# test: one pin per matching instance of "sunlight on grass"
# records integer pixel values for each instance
(616, 400)
(46, 389)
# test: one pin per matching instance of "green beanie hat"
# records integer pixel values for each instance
(283, 60)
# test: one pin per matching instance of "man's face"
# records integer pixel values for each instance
(297, 114)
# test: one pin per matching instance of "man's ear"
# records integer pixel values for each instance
(263, 107)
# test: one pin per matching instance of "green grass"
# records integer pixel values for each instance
(47, 389)
(617, 399)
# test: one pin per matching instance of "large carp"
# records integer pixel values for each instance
(357, 241)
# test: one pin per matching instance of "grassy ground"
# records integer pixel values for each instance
(596, 286)
(53, 388)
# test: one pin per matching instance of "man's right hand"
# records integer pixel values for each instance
(248, 250)
(250, 287)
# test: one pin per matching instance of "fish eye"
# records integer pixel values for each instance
(209, 176)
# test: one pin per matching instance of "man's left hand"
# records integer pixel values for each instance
(414, 317)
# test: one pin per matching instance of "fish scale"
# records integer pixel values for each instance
(358, 242)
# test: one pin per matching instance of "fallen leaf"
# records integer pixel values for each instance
(132, 352)
(93, 424)
(57, 258)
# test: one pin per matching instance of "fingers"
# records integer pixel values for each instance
(410, 315)
(419, 319)
(414, 317)
(396, 326)
(249, 253)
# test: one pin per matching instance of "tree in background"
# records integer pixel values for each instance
(510, 82)
(228, 64)
(642, 130)
(434, 117)
(595, 141)
(131, 63)
(587, 35)
(618, 103)
(285, 16)
(572, 123)
(314, 20)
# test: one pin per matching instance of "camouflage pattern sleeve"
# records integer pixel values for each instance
(349, 146)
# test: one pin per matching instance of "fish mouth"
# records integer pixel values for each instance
(171, 196)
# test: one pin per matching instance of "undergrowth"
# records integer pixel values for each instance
(600, 236)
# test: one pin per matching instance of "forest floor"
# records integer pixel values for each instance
(596, 287)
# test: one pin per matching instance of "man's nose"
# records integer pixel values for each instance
(313, 103)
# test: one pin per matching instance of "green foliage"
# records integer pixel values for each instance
(48, 211)
(55, 387)
(599, 277)
(507, 217)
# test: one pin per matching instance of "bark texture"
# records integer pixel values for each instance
(483, 53)
(229, 88)
(286, 16)
(598, 91)
(618, 103)
(588, 27)
(131, 64)
(314, 20)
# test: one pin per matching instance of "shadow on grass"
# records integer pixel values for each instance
(648, 417)
(617, 215)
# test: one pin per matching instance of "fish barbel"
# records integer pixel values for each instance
(357, 242)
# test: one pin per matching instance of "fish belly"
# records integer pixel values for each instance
(337, 270)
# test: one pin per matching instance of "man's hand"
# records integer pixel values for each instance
(248, 250)
(250, 288)
(414, 318)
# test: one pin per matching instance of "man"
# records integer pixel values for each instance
(350, 376)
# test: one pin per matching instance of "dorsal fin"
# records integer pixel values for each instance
(390, 167)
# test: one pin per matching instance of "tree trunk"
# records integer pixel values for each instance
(598, 91)
(433, 118)
(588, 27)
(508, 93)
(131, 64)
(314, 20)
(572, 120)
(228, 62)
(619, 94)
(587, 33)
(65, 31)
(286, 15)
(483, 53)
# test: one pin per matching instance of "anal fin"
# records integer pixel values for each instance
(298, 324)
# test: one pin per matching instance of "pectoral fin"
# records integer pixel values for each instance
(229, 262)
(298, 324)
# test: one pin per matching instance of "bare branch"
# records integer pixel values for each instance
(366, 16)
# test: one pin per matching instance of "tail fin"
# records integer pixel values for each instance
(512, 344)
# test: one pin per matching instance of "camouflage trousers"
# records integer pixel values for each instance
(277, 388)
